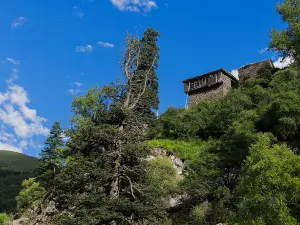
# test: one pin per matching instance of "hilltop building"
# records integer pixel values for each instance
(216, 84)
(252, 69)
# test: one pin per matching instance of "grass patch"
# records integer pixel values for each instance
(182, 149)
(4, 219)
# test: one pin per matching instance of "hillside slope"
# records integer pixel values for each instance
(17, 161)
(14, 168)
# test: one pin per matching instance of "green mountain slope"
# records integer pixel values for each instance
(17, 161)
(14, 168)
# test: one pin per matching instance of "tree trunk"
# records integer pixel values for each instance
(115, 185)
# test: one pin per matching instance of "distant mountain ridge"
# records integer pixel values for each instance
(17, 161)
(14, 168)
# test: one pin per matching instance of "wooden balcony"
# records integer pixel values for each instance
(206, 80)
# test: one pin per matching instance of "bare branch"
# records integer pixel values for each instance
(131, 186)
(132, 106)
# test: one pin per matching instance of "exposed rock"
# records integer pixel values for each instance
(177, 200)
(40, 215)
(177, 163)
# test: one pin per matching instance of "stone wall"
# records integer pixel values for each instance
(212, 93)
(227, 85)
(221, 89)
(252, 69)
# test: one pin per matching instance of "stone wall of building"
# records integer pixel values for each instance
(252, 69)
(221, 89)
(227, 85)
(212, 93)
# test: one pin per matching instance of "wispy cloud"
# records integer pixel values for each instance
(264, 50)
(19, 22)
(74, 92)
(106, 44)
(78, 12)
(134, 5)
(282, 63)
(15, 62)
(76, 88)
(77, 84)
(15, 71)
(87, 48)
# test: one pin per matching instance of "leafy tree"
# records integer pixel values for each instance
(51, 158)
(266, 103)
(31, 194)
(270, 185)
(287, 41)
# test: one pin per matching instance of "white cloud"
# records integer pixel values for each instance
(74, 92)
(106, 44)
(264, 50)
(87, 48)
(77, 84)
(15, 62)
(19, 22)
(19, 123)
(24, 121)
(13, 76)
(282, 63)
(7, 137)
(134, 5)
(3, 98)
(235, 73)
(9, 147)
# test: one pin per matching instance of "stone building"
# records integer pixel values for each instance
(209, 86)
(216, 84)
(252, 69)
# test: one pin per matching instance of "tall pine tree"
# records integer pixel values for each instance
(51, 158)
(105, 180)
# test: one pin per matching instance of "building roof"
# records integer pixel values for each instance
(212, 72)
(260, 62)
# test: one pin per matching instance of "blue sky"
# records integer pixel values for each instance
(54, 50)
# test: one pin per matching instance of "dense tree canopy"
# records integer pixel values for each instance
(240, 153)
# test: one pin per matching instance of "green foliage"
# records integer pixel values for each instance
(17, 162)
(14, 168)
(240, 152)
(31, 194)
(266, 104)
(161, 176)
(200, 213)
(105, 178)
(4, 219)
(182, 149)
(287, 41)
(270, 185)
(51, 158)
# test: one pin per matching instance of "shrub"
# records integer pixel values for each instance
(4, 219)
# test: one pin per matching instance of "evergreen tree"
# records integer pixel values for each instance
(105, 177)
(51, 158)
